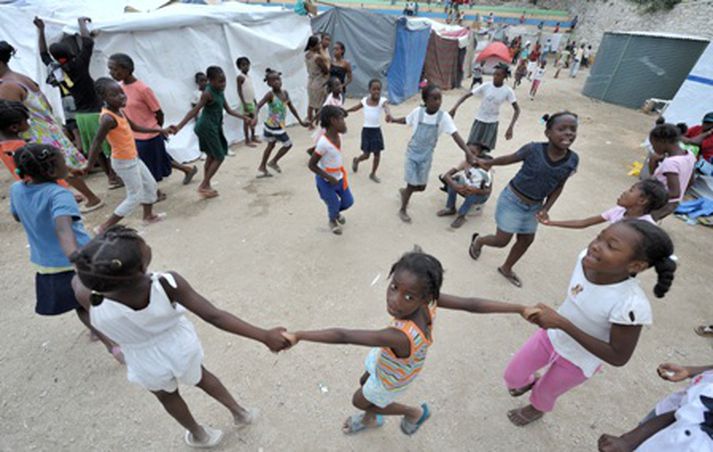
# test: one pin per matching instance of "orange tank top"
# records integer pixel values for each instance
(120, 138)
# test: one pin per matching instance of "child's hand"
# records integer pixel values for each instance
(483, 163)
(292, 337)
(609, 443)
(275, 341)
(547, 318)
(389, 119)
(545, 221)
(39, 23)
(672, 372)
(528, 313)
(172, 129)
(253, 122)
(543, 216)
(508, 133)
(332, 180)
(165, 132)
(452, 112)
(304, 124)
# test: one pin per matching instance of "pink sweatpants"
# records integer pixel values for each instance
(560, 377)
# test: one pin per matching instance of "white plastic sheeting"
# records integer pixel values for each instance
(171, 44)
(695, 96)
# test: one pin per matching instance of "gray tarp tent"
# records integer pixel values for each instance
(369, 39)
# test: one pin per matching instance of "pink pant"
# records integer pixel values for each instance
(560, 377)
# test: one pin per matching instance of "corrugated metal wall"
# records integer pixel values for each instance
(629, 69)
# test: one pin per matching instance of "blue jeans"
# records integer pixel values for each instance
(336, 197)
(468, 202)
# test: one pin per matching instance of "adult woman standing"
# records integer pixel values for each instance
(317, 73)
(44, 128)
(341, 68)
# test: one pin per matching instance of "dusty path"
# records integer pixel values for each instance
(263, 250)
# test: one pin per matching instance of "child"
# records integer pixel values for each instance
(427, 123)
(537, 78)
(14, 120)
(335, 93)
(681, 421)
(277, 100)
(636, 203)
(115, 127)
(520, 72)
(561, 62)
(532, 192)
(326, 162)
(144, 313)
(671, 165)
(209, 127)
(248, 103)
(399, 350)
(53, 224)
(472, 183)
(372, 140)
(484, 131)
(600, 320)
(477, 73)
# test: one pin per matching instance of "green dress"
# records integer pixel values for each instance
(209, 126)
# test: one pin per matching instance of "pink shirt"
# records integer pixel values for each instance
(141, 108)
(679, 164)
(616, 214)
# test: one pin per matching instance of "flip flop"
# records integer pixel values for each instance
(87, 209)
(214, 437)
(115, 185)
(159, 217)
(474, 254)
(263, 175)
(356, 424)
(252, 415)
(374, 178)
(512, 277)
(406, 218)
(189, 176)
(409, 428)
(275, 166)
(704, 330)
(207, 194)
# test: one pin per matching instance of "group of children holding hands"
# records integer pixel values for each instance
(139, 315)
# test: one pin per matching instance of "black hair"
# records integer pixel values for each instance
(328, 113)
(655, 193)
(11, 113)
(667, 133)
(197, 75)
(37, 161)
(102, 85)
(341, 44)
(311, 42)
(427, 91)
(503, 67)
(271, 73)
(214, 71)
(660, 120)
(123, 60)
(6, 51)
(331, 83)
(242, 59)
(682, 127)
(60, 50)
(551, 119)
(656, 248)
(110, 260)
(374, 80)
(425, 267)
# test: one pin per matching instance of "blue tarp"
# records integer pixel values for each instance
(407, 63)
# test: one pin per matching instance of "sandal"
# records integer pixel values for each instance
(87, 209)
(409, 428)
(355, 424)
(189, 175)
(248, 420)
(704, 330)
(113, 185)
(214, 437)
(512, 277)
(275, 166)
(474, 254)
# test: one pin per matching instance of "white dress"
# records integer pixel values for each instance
(159, 343)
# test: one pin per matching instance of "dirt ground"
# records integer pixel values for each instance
(262, 250)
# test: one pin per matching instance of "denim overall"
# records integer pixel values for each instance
(419, 153)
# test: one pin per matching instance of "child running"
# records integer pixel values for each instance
(277, 100)
(53, 224)
(537, 76)
(600, 320)
(636, 203)
(144, 313)
(671, 165)
(372, 140)
(520, 73)
(532, 192)
(399, 350)
(427, 123)
(248, 103)
(116, 128)
(326, 162)
(209, 127)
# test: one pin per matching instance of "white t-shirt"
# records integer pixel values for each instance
(331, 157)
(616, 214)
(476, 177)
(539, 74)
(593, 309)
(493, 98)
(446, 125)
(372, 115)
(676, 400)
(333, 101)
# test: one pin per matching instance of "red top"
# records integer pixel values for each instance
(706, 146)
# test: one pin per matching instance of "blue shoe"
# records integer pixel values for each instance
(409, 428)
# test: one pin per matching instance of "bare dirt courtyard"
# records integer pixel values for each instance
(262, 250)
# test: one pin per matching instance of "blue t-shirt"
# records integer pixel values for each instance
(38, 206)
(539, 176)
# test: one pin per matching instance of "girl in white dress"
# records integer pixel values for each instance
(144, 313)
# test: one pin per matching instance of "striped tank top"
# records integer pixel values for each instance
(396, 373)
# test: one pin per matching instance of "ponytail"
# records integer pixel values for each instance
(665, 268)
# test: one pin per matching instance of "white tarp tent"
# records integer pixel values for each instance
(695, 96)
(170, 45)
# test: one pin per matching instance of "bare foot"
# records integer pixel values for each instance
(155, 218)
(207, 193)
(525, 415)
(275, 166)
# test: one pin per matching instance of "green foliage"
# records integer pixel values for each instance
(652, 6)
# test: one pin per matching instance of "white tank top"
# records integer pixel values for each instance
(248, 89)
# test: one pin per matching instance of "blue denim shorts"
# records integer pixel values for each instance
(514, 216)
